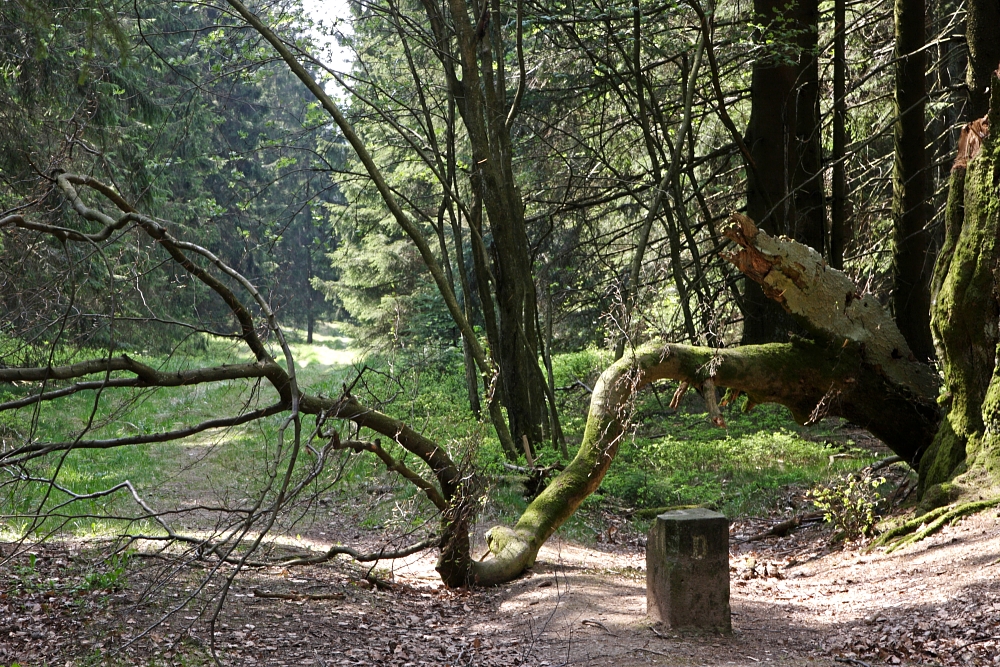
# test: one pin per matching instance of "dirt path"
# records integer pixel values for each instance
(936, 603)
(795, 600)
(925, 605)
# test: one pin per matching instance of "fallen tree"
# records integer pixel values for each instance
(856, 365)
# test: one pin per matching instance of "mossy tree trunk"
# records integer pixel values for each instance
(963, 459)
(856, 364)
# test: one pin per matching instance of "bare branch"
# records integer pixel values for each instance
(383, 554)
(25, 453)
(395, 466)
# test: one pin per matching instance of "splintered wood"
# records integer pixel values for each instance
(826, 302)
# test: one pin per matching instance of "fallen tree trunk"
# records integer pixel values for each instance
(858, 366)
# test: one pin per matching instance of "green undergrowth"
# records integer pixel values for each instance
(675, 457)
(744, 469)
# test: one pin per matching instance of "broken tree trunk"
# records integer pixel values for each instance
(964, 460)
(857, 366)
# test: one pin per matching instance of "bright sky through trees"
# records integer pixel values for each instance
(333, 20)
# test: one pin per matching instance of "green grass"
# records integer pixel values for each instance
(675, 458)
(745, 469)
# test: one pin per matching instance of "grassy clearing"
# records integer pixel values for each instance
(677, 457)
(230, 462)
(674, 458)
(743, 470)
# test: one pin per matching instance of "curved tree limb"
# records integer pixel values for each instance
(859, 368)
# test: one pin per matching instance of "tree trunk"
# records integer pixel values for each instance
(965, 456)
(785, 191)
(857, 366)
(911, 263)
(982, 31)
(838, 207)
(481, 104)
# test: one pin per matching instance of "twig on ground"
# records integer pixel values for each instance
(597, 624)
(852, 661)
(649, 650)
(974, 641)
(258, 593)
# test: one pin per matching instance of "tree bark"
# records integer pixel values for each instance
(480, 98)
(982, 32)
(785, 191)
(965, 455)
(911, 261)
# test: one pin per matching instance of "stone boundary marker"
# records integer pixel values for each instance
(687, 570)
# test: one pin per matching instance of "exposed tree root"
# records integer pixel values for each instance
(928, 524)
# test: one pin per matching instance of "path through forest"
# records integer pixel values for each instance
(801, 603)
(797, 600)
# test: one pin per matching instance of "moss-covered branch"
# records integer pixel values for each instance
(799, 375)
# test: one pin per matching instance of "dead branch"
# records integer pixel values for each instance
(395, 466)
(785, 527)
(333, 552)
(25, 453)
(259, 593)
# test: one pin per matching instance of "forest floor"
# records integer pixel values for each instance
(795, 600)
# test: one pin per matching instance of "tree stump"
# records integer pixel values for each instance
(687, 570)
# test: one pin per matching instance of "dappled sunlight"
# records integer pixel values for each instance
(920, 605)
(322, 354)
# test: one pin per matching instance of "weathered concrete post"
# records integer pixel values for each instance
(687, 570)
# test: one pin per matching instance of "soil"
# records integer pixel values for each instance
(795, 600)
